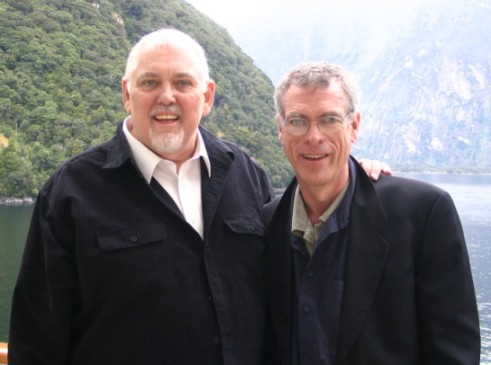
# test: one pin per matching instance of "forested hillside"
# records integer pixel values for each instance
(61, 62)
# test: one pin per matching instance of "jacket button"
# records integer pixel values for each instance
(134, 239)
(252, 228)
(306, 309)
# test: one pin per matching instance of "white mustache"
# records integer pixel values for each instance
(167, 110)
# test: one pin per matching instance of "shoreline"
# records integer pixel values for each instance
(27, 200)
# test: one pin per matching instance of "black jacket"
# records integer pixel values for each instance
(408, 290)
(113, 274)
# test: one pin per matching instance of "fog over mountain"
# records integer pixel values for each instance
(424, 68)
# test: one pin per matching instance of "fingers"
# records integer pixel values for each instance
(374, 168)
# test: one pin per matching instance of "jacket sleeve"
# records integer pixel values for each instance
(446, 301)
(42, 302)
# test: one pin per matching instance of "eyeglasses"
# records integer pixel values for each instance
(298, 126)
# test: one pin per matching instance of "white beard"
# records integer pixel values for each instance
(165, 143)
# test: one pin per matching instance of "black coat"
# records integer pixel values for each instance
(408, 293)
(113, 274)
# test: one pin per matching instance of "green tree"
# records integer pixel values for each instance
(61, 63)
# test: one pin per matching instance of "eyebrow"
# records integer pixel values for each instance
(324, 115)
(295, 115)
(179, 75)
(185, 74)
(332, 114)
(146, 74)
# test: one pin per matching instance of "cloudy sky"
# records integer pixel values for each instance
(234, 15)
(258, 25)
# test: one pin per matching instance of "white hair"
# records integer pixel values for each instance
(172, 38)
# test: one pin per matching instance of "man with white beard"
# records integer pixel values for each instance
(148, 248)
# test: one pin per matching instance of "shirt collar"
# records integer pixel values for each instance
(300, 218)
(147, 160)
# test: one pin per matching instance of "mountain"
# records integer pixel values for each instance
(424, 68)
(61, 62)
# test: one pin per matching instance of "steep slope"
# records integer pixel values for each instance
(424, 68)
(61, 62)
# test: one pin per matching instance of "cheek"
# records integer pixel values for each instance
(343, 139)
(134, 103)
(290, 147)
(192, 105)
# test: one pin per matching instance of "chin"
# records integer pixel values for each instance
(167, 142)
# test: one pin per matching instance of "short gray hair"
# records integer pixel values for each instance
(317, 75)
(168, 37)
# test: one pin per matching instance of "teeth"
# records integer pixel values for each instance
(314, 157)
(166, 117)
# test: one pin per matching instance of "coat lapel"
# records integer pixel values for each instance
(212, 187)
(365, 262)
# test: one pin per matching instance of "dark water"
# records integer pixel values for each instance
(471, 194)
(14, 222)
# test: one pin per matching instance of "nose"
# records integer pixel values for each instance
(314, 134)
(166, 95)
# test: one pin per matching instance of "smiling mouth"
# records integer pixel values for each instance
(167, 117)
(314, 157)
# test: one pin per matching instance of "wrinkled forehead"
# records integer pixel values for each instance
(334, 93)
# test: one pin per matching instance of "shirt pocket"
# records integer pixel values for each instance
(241, 249)
(135, 259)
(130, 237)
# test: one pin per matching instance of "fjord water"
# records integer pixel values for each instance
(14, 223)
(471, 194)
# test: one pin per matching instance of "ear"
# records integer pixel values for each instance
(281, 127)
(126, 95)
(355, 127)
(209, 97)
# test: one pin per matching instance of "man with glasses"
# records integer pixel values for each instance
(359, 272)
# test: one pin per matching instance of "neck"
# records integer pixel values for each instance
(317, 199)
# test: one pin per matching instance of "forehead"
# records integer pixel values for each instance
(169, 60)
(305, 99)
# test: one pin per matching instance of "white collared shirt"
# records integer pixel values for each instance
(184, 186)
